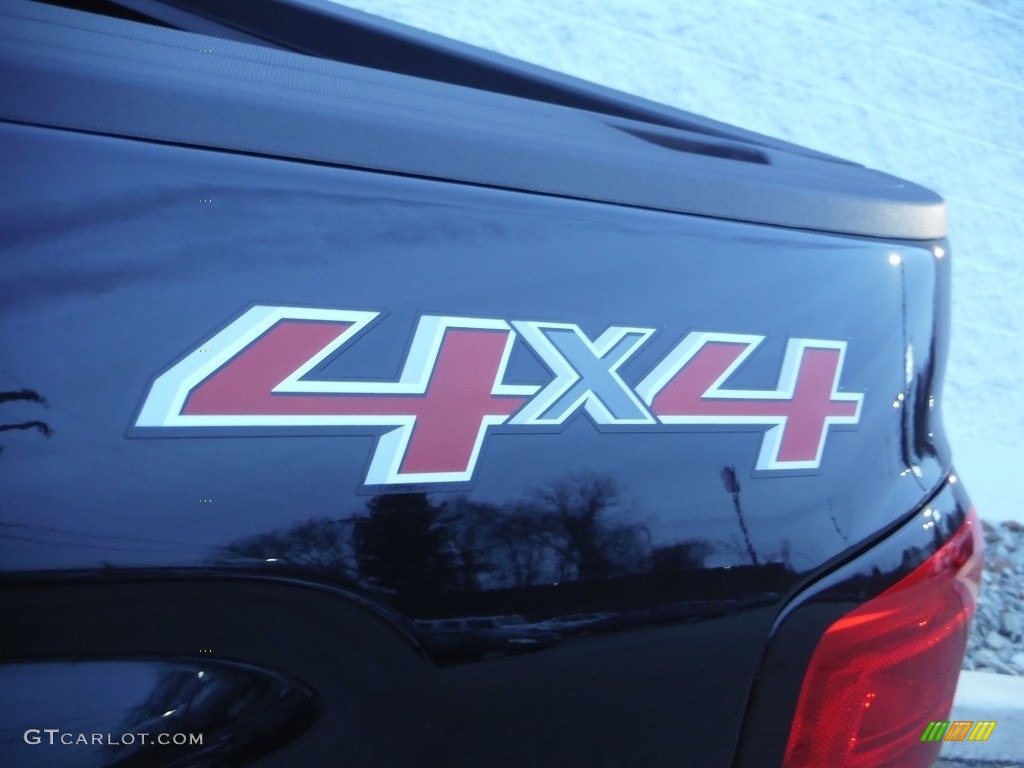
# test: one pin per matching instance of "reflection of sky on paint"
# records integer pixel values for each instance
(76, 698)
(163, 280)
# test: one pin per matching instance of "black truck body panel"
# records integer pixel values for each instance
(169, 86)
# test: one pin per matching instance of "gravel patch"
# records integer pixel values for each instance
(996, 642)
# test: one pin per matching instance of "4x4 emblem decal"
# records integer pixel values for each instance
(432, 422)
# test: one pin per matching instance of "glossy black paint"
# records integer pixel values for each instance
(800, 625)
(115, 268)
(146, 713)
(595, 596)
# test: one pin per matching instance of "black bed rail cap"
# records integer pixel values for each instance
(86, 72)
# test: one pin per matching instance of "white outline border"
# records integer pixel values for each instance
(169, 392)
(767, 458)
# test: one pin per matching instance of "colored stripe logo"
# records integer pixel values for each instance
(959, 730)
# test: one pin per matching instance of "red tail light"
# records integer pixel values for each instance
(882, 672)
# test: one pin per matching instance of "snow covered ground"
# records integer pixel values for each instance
(932, 92)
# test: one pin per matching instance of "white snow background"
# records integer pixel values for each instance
(929, 91)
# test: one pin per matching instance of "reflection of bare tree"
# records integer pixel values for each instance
(835, 523)
(403, 546)
(322, 544)
(472, 529)
(573, 513)
(738, 549)
(522, 547)
(439, 555)
(30, 396)
(480, 579)
(684, 556)
(732, 486)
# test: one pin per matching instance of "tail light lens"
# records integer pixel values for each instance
(882, 672)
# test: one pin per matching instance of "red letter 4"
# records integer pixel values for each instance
(686, 388)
